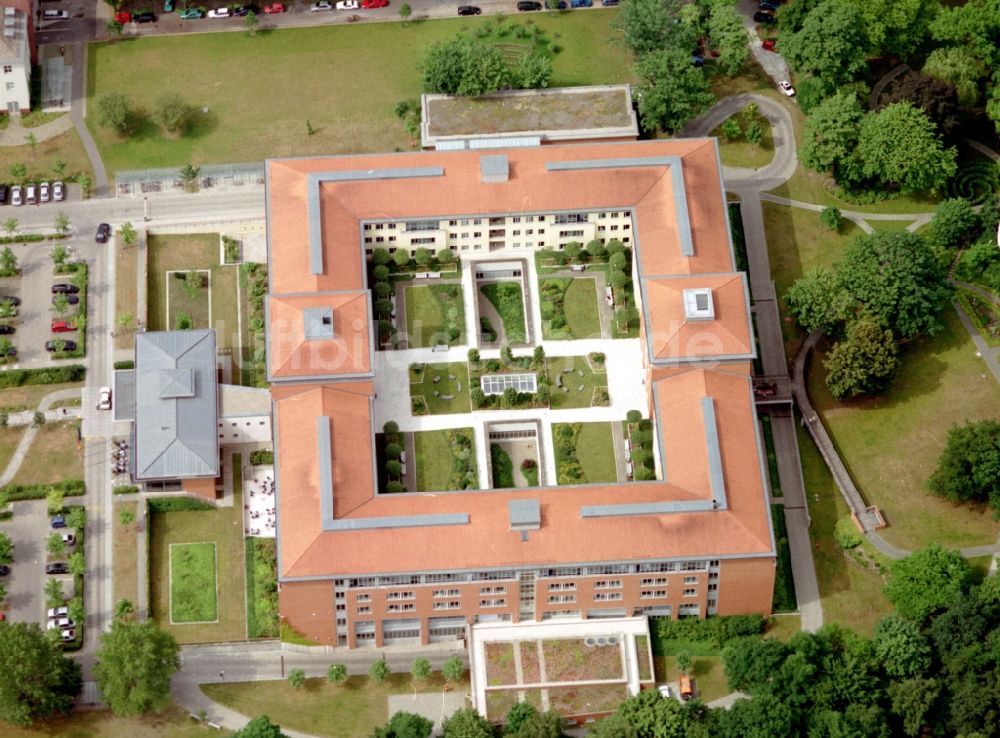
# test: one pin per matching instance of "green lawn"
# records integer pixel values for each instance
(741, 153)
(502, 467)
(193, 583)
(595, 452)
(434, 459)
(708, 673)
(354, 708)
(422, 384)
(850, 583)
(224, 528)
(427, 308)
(53, 456)
(808, 186)
(891, 444)
(66, 147)
(126, 291)
(173, 722)
(592, 384)
(125, 575)
(506, 297)
(578, 308)
(348, 80)
(194, 305)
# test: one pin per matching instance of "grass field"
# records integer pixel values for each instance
(354, 708)
(27, 397)
(457, 388)
(193, 583)
(579, 309)
(850, 586)
(126, 552)
(426, 315)
(742, 153)
(508, 300)
(434, 459)
(891, 444)
(575, 397)
(224, 528)
(595, 452)
(811, 187)
(173, 722)
(181, 253)
(349, 112)
(195, 305)
(53, 456)
(65, 146)
(126, 288)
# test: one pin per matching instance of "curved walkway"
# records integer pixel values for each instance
(29, 435)
(16, 134)
(78, 112)
(855, 216)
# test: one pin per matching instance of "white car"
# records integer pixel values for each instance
(348, 5)
(55, 15)
(218, 13)
(68, 635)
(58, 612)
(786, 87)
(70, 540)
(104, 403)
(59, 623)
(321, 5)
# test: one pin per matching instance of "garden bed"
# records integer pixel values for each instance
(572, 660)
(439, 388)
(500, 668)
(508, 300)
(435, 315)
(569, 308)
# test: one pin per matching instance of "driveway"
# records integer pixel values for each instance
(28, 528)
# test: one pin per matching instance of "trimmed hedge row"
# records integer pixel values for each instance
(177, 504)
(54, 375)
(69, 488)
(125, 364)
(717, 630)
(125, 489)
(261, 457)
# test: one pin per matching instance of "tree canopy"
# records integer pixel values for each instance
(36, 680)
(405, 725)
(463, 65)
(671, 91)
(260, 727)
(969, 467)
(134, 666)
(467, 723)
(830, 45)
(926, 581)
(863, 363)
(896, 26)
(652, 25)
(831, 136)
(899, 146)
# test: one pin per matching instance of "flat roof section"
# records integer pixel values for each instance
(557, 114)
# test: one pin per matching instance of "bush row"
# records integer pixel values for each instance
(261, 457)
(125, 364)
(125, 489)
(717, 630)
(253, 279)
(53, 375)
(177, 504)
(69, 488)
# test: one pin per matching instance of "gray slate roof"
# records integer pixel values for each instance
(176, 405)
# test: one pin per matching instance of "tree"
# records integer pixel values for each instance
(59, 167)
(128, 233)
(732, 129)
(405, 725)
(405, 11)
(54, 596)
(423, 256)
(927, 580)
(297, 678)
(831, 218)
(467, 723)
(421, 670)
(901, 648)
(651, 25)
(126, 516)
(652, 716)
(6, 549)
(32, 140)
(55, 546)
(38, 419)
(60, 303)
(817, 300)
(189, 175)
(251, 23)
(62, 226)
(124, 321)
(336, 674)
(899, 146)
(617, 278)
(955, 223)
(260, 727)
(896, 27)
(517, 716)
(831, 136)
(626, 316)
(402, 258)
(897, 279)
(671, 91)
(379, 671)
(830, 45)
(10, 225)
(381, 257)
(77, 564)
(937, 99)
(752, 663)
(912, 700)
(541, 725)
(863, 363)
(172, 112)
(968, 469)
(59, 255)
(765, 716)
(613, 726)
(960, 67)
(134, 664)
(76, 517)
(684, 661)
(453, 669)
(18, 171)
(84, 181)
(114, 28)
(36, 680)
(114, 110)
(533, 73)
(8, 263)
(729, 36)
(464, 66)
(54, 502)
(445, 256)
(124, 610)
(755, 133)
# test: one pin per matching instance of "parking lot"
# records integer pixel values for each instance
(28, 528)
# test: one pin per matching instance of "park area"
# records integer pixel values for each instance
(576, 383)
(193, 583)
(310, 116)
(593, 453)
(434, 315)
(438, 389)
(507, 302)
(437, 459)
(569, 308)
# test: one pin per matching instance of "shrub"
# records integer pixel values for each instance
(336, 674)
(125, 489)
(831, 218)
(732, 129)
(54, 375)
(261, 457)
(633, 416)
(69, 488)
(297, 678)
(846, 533)
(177, 504)
(717, 630)
(125, 364)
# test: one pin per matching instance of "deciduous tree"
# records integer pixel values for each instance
(114, 110)
(961, 68)
(260, 727)
(134, 665)
(671, 91)
(36, 680)
(896, 27)
(901, 648)
(899, 146)
(928, 580)
(955, 223)
(173, 112)
(649, 26)
(969, 467)
(831, 136)
(863, 363)
(830, 45)
(467, 723)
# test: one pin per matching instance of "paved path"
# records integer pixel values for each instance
(29, 435)
(78, 112)
(16, 134)
(856, 216)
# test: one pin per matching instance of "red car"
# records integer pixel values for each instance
(369, 4)
(769, 44)
(274, 8)
(123, 17)
(62, 326)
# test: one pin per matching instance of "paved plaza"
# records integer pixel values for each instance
(258, 502)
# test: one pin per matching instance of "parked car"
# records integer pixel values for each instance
(243, 10)
(4, 570)
(348, 5)
(51, 346)
(123, 17)
(16, 301)
(768, 44)
(582, 3)
(16, 195)
(606, 3)
(62, 326)
(786, 87)
(144, 16)
(3, 194)
(525, 5)
(371, 4)
(58, 612)
(274, 8)
(218, 13)
(192, 14)
(64, 288)
(759, 17)
(103, 233)
(69, 539)
(6, 330)
(58, 521)
(57, 567)
(55, 15)
(469, 10)
(58, 191)
(44, 192)
(60, 623)
(320, 5)
(68, 635)
(104, 401)
(31, 194)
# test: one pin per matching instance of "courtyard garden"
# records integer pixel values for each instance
(262, 587)
(745, 139)
(193, 583)
(445, 460)
(435, 314)
(584, 453)
(439, 389)
(576, 381)
(189, 299)
(569, 308)
(514, 463)
(508, 302)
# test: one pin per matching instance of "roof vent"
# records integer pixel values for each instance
(494, 169)
(524, 515)
(698, 304)
(317, 323)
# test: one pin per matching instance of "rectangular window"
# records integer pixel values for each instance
(446, 592)
(652, 581)
(652, 594)
(562, 586)
(497, 602)
(477, 234)
(561, 599)
(364, 610)
(690, 592)
(713, 588)
(607, 596)
(570, 234)
(421, 241)
(364, 598)
(407, 595)
(449, 605)
(497, 590)
(690, 580)
(608, 584)
(404, 607)
(7, 69)
(516, 219)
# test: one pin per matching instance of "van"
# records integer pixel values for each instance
(55, 15)
(31, 194)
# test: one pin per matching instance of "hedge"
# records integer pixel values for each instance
(70, 488)
(125, 489)
(54, 375)
(717, 630)
(261, 457)
(124, 365)
(177, 504)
